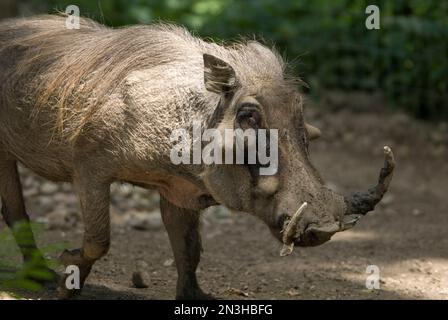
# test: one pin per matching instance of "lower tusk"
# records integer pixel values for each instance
(289, 231)
(287, 249)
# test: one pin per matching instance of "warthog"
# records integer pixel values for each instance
(97, 105)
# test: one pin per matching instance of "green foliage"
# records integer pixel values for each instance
(29, 275)
(407, 59)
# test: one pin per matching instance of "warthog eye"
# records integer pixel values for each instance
(249, 116)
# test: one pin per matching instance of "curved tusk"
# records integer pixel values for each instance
(313, 132)
(359, 203)
(290, 231)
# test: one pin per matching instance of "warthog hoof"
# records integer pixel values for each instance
(63, 293)
(73, 258)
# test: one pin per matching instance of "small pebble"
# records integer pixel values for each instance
(140, 279)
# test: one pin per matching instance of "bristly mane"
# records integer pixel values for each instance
(75, 70)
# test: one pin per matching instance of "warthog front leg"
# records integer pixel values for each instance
(94, 199)
(183, 230)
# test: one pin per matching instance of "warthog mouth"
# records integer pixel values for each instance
(356, 205)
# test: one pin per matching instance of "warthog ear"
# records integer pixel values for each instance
(219, 76)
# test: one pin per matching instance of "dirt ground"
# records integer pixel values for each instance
(405, 236)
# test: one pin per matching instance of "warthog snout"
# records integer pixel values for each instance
(300, 229)
(304, 230)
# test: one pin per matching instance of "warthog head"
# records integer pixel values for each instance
(293, 201)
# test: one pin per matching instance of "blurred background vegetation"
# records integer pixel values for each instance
(406, 61)
(33, 273)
